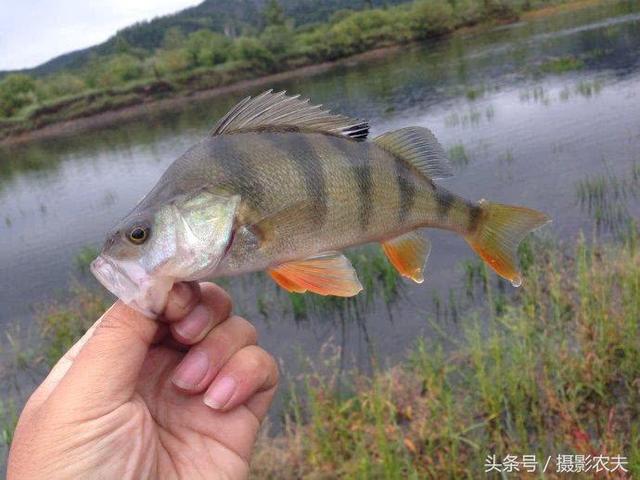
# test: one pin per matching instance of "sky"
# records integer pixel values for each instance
(34, 31)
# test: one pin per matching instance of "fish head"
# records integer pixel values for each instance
(155, 246)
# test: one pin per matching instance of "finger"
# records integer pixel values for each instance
(182, 299)
(214, 307)
(105, 371)
(202, 363)
(249, 371)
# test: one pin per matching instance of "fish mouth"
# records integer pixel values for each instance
(130, 283)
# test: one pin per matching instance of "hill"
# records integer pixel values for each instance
(224, 16)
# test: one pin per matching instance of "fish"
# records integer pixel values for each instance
(284, 186)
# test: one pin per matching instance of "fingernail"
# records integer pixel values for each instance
(220, 393)
(194, 323)
(191, 370)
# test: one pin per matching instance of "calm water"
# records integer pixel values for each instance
(528, 110)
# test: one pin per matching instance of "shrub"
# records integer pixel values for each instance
(60, 85)
(207, 48)
(114, 70)
(252, 50)
(170, 61)
(16, 92)
(278, 39)
(432, 17)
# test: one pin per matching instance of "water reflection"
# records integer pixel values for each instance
(525, 112)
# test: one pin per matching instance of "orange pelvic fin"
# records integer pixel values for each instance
(408, 253)
(330, 273)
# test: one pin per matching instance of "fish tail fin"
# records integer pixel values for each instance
(499, 231)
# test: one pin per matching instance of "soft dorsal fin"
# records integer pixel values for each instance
(280, 111)
(329, 273)
(419, 147)
(408, 253)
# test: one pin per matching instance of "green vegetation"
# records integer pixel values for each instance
(458, 155)
(61, 325)
(85, 256)
(562, 65)
(553, 370)
(605, 197)
(133, 70)
(549, 369)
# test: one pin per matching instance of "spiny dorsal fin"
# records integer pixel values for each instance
(329, 273)
(419, 147)
(279, 111)
(408, 253)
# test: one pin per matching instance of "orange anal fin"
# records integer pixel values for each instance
(326, 274)
(408, 253)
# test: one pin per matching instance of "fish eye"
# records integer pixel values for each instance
(138, 235)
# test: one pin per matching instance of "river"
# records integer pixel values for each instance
(527, 111)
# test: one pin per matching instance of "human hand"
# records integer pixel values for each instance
(136, 398)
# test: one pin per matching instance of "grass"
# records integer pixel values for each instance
(458, 155)
(553, 371)
(85, 256)
(552, 368)
(604, 198)
(61, 325)
(561, 65)
(9, 413)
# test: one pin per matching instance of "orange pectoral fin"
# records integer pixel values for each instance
(327, 274)
(408, 253)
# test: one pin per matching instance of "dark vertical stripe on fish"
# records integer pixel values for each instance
(237, 169)
(309, 166)
(362, 176)
(407, 190)
(446, 201)
(475, 215)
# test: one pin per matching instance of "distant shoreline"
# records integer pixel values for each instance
(155, 97)
(109, 117)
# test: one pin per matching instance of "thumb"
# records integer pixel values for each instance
(105, 370)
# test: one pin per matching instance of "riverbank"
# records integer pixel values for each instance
(89, 119)
(99, 108)
(552, 371)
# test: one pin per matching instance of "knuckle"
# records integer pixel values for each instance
(252, 362)
(183, 295)
(224, 339)
(122, 320)
(219, 299)
(249, 332)
(258, 359)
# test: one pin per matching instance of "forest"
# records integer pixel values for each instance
(162, 57)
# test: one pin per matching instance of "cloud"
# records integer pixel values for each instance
(34, 31)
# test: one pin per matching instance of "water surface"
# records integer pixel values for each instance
(527, 110)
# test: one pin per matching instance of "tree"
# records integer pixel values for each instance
(207, 48)
(122, 45)
(274, 14)
(173, 38)
(251, 50)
